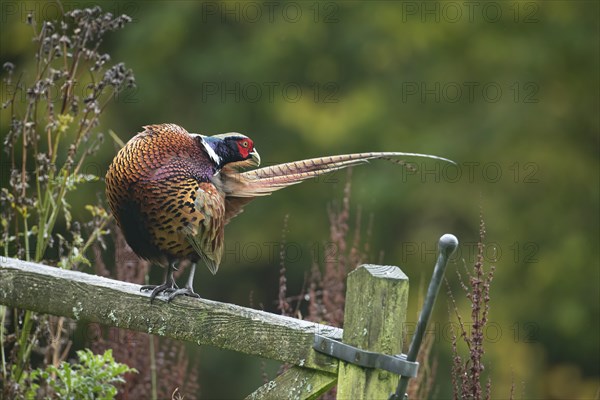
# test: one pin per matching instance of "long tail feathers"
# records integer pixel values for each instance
(263, 181)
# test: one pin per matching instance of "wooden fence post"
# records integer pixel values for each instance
(375, 312)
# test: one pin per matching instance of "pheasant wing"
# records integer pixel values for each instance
(205, 232)
(234, 206)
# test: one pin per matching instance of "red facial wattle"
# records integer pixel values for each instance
(245, 147)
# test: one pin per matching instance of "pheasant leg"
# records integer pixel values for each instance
(188, 289)
(167, 287)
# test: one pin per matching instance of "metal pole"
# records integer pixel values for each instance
(446, 246)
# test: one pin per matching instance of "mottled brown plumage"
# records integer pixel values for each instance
(159, 191)
(172, 192)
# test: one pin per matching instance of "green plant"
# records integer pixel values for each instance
(54, 114)
(467, 371)
(93, 377)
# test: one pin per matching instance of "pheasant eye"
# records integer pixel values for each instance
(245, 143)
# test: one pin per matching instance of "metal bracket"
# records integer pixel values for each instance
(368, 359)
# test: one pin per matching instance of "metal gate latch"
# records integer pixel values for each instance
(397, 364)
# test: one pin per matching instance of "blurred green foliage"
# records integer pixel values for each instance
(93, 377)
(509, 90)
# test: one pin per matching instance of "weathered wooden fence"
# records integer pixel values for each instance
(375, 312)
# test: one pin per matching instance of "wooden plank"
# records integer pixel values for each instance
(375, 312)
(295, 383)
(86, 297)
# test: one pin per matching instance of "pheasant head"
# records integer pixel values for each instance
(231, 148)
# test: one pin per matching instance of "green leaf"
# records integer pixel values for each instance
(93, 377)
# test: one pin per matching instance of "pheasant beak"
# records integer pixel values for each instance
(255, 158)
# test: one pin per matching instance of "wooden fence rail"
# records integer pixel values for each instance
(375, 311)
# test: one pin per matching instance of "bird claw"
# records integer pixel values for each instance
(184, 291)
(170, 289)
(166, 288)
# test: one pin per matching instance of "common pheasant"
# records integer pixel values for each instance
(172, 193)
